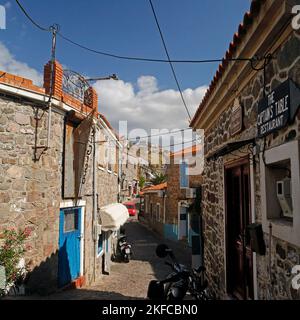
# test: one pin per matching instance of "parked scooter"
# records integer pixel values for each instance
(181, 284)
(124, 250)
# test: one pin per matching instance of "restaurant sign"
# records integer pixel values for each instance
(236, 124)
(278, 108)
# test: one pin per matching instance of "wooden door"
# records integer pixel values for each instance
(69, 245)
(238, 216)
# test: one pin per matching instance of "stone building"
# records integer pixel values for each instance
(129, 175)
(52, 178)
(251, 179)
(155, 207)
(173, 208)
(181, 194)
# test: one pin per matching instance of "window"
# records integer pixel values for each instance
(184, 178)
(100, 244)
(158, 212)
(102, 150)
(146, 203)
(280, 185)
(70, 220)
(151, 210)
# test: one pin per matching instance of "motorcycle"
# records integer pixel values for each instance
(182, 283)
(124, 251)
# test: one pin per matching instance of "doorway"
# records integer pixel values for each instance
(238, 217)
(69, 254)
(183, 223)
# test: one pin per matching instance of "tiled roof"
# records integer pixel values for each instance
(186, 151)
(158, 187)
(237, 38)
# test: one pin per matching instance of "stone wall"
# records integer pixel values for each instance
(154, 199)
(30, 190)
(286, 64)
(175, 193)
(107, 187)
(130, 171)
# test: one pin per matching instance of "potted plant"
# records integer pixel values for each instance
(11, 258)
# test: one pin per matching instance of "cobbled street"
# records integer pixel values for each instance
(129, 280)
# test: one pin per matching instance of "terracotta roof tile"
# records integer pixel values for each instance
(156, 188)
(188, 150)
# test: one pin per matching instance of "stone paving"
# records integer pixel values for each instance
(129, 280)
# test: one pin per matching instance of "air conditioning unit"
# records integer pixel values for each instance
(190, 193)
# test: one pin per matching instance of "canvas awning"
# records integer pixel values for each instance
(113, 216)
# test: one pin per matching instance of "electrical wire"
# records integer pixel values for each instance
(171, 145)
(169, 59)
(121, 57)
(112, 55)
(156, 135)
(32, 21)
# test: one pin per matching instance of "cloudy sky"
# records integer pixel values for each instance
(146, 94)
(144, 105)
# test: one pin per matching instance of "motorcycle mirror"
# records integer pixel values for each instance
(162, 250)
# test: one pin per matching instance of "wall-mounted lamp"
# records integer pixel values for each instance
(111, 77)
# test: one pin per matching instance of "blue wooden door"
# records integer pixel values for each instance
(69, 245)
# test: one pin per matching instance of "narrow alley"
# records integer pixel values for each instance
(129, 280)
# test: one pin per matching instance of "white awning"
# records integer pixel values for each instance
(113, 216)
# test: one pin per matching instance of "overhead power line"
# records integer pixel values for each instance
(116, 56)
(159, 134)
(28, 16)
(170, 63)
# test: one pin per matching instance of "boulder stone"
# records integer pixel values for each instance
(289, 53)
(15, 172)
(22, 119)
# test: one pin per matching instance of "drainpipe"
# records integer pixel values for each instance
(252, 193)
(119, 172)
(270, 257)
(165, 195)
(95, 205)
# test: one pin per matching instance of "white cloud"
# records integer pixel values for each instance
(9, 64)
(147, 107)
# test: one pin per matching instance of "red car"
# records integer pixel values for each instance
(131, 208)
